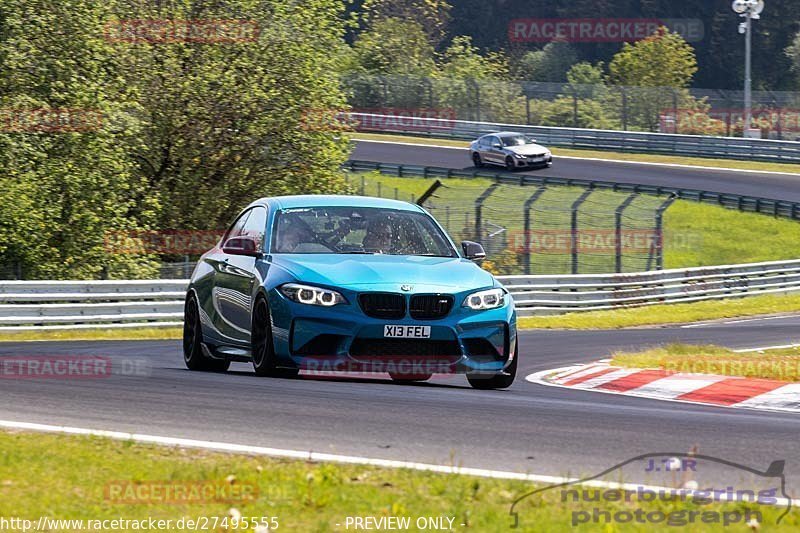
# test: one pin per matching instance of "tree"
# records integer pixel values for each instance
(395, 46)
(432, 16)
(793, 53)
(64, 189)
(475, 85)
(550, 64)
(653, 74)
(192, 130)
(664, 59)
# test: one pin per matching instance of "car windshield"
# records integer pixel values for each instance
(515, 140)
(358, 230)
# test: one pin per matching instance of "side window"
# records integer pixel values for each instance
(237, 227)
(494, 141)
(256, 226)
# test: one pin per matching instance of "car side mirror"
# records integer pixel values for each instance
(497, 145)
(473, 251)
(242, 245)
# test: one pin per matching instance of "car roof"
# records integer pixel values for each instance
(333, 200)
(506, 134)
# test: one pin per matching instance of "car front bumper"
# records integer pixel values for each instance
(343, 338)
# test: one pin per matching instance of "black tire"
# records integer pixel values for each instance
(409, 378)
(263, 349)
(498, 381)
(193, 355)
(510, 165)
(476, 159)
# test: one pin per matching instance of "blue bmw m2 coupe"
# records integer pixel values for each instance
(348, 283)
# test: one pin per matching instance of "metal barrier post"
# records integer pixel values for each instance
(527, 225)
(428, 193)
(659, 232)
(478, 208)
(573, 241)
(618, 230)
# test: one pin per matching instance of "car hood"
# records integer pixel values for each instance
(527, 149)
(385, 272)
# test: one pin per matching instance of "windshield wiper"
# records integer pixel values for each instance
(360, 252)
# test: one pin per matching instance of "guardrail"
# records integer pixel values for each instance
(539, 295)
(767, 206)
(113, 304)
(620, 141)
(89, 304)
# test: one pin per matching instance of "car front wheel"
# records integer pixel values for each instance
(502, 380)
(193, 355)
(476, 159)
(263, 350)
(510, 165)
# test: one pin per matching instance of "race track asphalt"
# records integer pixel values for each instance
(528, 428)
(760, 184)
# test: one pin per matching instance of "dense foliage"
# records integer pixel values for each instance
(191, 130)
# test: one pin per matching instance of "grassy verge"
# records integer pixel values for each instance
(668, 313)
(599, 154)
(781, 364)
(110, 334)
(71, 477)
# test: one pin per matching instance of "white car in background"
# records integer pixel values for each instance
(510, 150)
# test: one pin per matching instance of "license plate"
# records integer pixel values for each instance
(535, 159)
(407, 332)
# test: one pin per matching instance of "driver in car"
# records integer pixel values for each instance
(290, 236)
(378, 237)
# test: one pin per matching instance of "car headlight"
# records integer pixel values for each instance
(306, 294)
(488, 299)
(520, 156)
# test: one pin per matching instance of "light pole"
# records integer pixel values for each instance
(750, 10)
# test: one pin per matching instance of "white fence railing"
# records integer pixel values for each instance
(539, 295)
(158, 303)
(90, 304)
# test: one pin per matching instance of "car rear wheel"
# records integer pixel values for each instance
(409, 378)
(510, 163)
(263, 350)
(193, 355)
(476, 159)
(498, 381)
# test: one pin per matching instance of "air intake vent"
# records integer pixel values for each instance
(430, 306)
(383, 304)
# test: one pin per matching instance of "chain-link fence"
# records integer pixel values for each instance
(541, 229)
(654, 109)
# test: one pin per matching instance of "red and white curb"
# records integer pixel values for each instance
(707, 389)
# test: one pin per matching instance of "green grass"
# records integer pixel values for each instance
(780, 364)
(668, 313)
(100, 334)
(68, 477)
(599, 154)
(703, 234)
